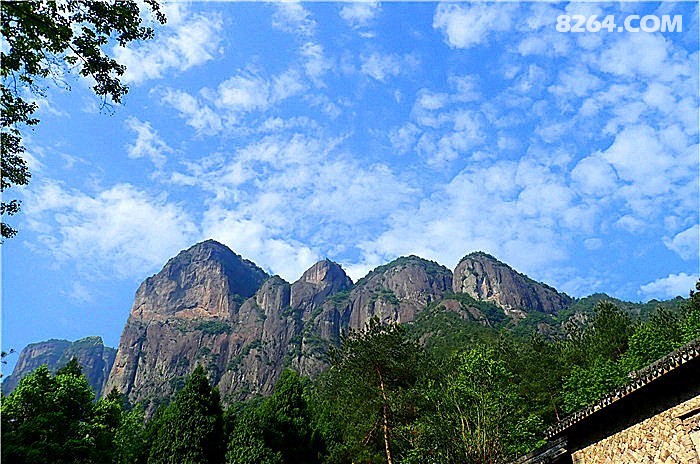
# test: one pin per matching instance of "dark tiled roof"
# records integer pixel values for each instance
(545, 454)
(639, 379)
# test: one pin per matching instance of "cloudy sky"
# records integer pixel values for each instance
(361, 132)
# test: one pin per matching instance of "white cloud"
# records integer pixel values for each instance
(575, 82)
(148, 143)
(630, 223)
(593, 176)
(359, 14)
(685, 243)
(465, 26)
(187, 40)
(404, 138)
(593, 244)
(506, 208)
(80, 293)
(254, 240)
(669, 287)
(445, 126)
(532, 45)
(226, 106)
(196, 113)
(381, 67)
(286, 85)
(120, 231)
(636, 55)
(243, 93)
(301, 186)
(293, 17)
(315, 63)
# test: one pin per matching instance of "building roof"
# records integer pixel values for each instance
(550, 452)
(639, 379)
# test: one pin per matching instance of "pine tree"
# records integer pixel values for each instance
(192, 426)
(51, 419)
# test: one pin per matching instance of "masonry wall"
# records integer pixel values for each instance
(670, 437)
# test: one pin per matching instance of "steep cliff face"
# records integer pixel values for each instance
(397, 291)
(95, 359)
(484, 278)
(277, 321)
(182, 317)
(211, 307)
(206, 280)
(394, 292)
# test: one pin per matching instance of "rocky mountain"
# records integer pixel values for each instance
(485, 278)
(212, 307)
(191, 312)
(95, 358)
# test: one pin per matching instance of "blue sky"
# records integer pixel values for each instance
(361, 132)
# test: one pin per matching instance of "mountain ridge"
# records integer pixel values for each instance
(210, 306)
(95, 358)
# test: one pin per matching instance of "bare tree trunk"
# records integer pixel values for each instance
(385, 411)
(556, 412)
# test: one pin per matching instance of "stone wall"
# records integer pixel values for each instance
(670, 437)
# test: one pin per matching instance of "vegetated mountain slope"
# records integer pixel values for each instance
(641, 310)
(211, 307)
(95, 358)
(191, 312)
(485, 278)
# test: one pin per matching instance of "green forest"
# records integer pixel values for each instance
(440, 390)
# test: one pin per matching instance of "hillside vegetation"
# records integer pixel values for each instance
(444, 389)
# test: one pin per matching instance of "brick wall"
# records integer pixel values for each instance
(670, 437)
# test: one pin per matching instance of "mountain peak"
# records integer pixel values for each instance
(321, 280)
(430, 267)
(207, 279)
(485, 278)
(95, 359)
(325, 271)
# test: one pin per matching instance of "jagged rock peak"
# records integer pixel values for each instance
(430, 267)
(485, 278)
(397, 291)
(90, 352)
(207, 279)
(212, 250)
(320, 281)
(324, 273)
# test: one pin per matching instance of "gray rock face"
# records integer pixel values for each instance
(485, 278)
(211, 307)
(208, 306)
(182, 317)
(397, 291)
(323, 279)
(95, 359)
(206, 280)
(394, 292)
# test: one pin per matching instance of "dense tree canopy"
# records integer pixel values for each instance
(46, 41)
(390, 395)
(191, 428)
(53, 418)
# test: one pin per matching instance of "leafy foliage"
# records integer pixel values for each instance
(431, 268)
(213, 327)
(278, 429)
(51, 418)
(45, 40)
(191, 428)
(445, 389)
(371, 383)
